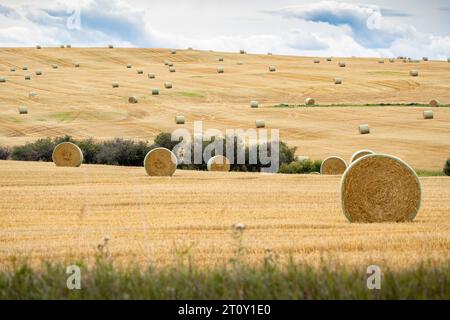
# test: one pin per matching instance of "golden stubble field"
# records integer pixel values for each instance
(64, 213)
(81, 102)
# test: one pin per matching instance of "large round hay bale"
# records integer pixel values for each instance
(12, 69)
(392, 60)
(77, 65)
(220, 70)
(168, 85)
(254, 104)
(333, 166)
(166, 62)
(425, 58)
(129, 66)
(160, 162)
(170, 64)
(337, 81)
(67, 154)
(242, 51)
(54, 66)
(133, 99)
(434, 103)
(61, 46)
(428, 114)
(239, 63)
(179, 119)
(68, 46)
(269, 53)
(115, 84)
(381, 61)
(38, 72)
(414, 73)
(310, 102)
(23, 110)
(155, 91)
(329, 59)
(364, 129)
(316, 60)
(342, 64)
(260, 123)
(221, 59)
(272, 69)
(140, 71)
(27, 77)
(32, 94)
(359, 154)
(173, 51)
(2, 79)
(38, 47)
(218, 163)
(110, 46)
(151, 76)
(24, 68)
(380, 188)
(172, 69)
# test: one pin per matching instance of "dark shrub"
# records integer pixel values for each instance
(4, 153)
(447, 168)
(302, 167)
(164, 140)
(122, 152)
(40, 150)
(90, 149)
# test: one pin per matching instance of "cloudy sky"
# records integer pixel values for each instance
(378, 28)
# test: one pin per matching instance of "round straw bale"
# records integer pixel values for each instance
(166, 62)
(54, 66)
(179, 119)
(168, 85)
(173, 51)
(342, 64)
(140, 71)
(172, 69)
(67, 154)
(170, 64)
(310, 102)
(155, 91)
(133, 99)
(110, 46)
(448, 59)
(329, 59)
(38, 72)
(61, 46)
(129, 66)
(380, 188)
(115, 84)
(242, 51)
(260, 123)
(23, 110)
(2, 79)
(218, 163)
(160, 162)
(337, 81)
(27, 77)
(68, 46)
(425, 58)
(359, 154)
(428, 114)
(272, 69)
(239, 63)
(364, 129)
(381, 61)
(392, 60)
(269, 53)
(190, 48)
(414, 73)
(12, 69)
(254, 104)
(220, 59)
(316, 60)
(32, 94)
(333, 166)
(220, 70)
(24, 68)
(434, 103)
(77, 65)
(151, 76)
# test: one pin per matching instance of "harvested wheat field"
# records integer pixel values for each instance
(81, 102)
(64, 213)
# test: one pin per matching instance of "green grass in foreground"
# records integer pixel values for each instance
(412, 104)
(237, 281)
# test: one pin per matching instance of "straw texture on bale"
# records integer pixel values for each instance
(260, 124)
(428, 114)
(342, 64)
(67, 154)
(218, 163)
(172, 69)
(310, 102)
(115, 84)
(160, 162)
(179, 119)
(272, 69)
(133, 99)
(140, 71)
(151, 76)
(168, 85)
(254, 104)
(333, 166)
(434, 103)
(359, 154)
(380, 188)
(155, 91)
(23, 110)
(337, 81)
(27, 77)
(220, 70)
(414, 73)
(364, 129)
(2, 79)
(38, 72)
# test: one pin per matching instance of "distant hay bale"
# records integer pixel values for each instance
(310, 102)
(359, 154)
(54, 66)
(168, 85)
(110, 46)
(170, 64)
(23, 110)
(434, 103)
(380, 188)
(38, 47)
(27, 77)
(151, 76)
(115, 84)
(364, 129)
(254, 104)
(220, 59)
(425, 58)
(133, 99)
(24, 68)
(2, 79)
(381, 61)
(316, 60)
(190, 48)
(428, 114)
(38, 72)
(166, 62)
(260, 123)
(179, 119)
(61, 46)
(342, 64)
(172, 69)
(173, 51)
(218, 163)
(333, 166)
(140, 71)
(448, 59)
(160, 162)
(12, 69)
(67, 154)
(329, 59)
(337, 81)
(68, 46)
(129, 66)
(77, 65)
(272, 68)
(220, 70)
(155, 91)
(242, 51)
(240, 63)
(414, 73)
(32, 94)
(269, 53)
